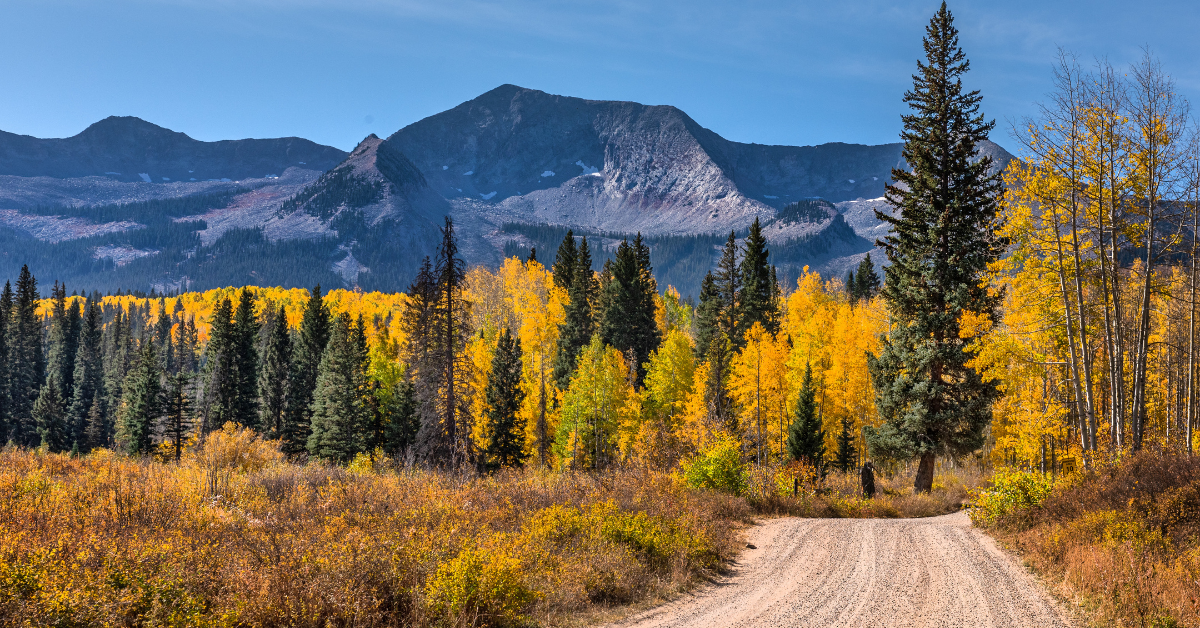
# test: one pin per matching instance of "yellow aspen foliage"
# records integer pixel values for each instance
(669, 382)
(761, 388)
(599, 403)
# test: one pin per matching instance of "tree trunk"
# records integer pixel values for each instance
(924, 481)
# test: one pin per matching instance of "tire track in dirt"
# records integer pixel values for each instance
(909, 573)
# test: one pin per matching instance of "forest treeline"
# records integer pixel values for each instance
(558, 367)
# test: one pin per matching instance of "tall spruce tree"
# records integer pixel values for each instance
(866, 281)
(443, 387)
(504, 396)
(63, 341)
(728, 283)
(758, 303)
(338, 409)
(806, 435)
(273, 378)
(245, 347)
(50, 417)
(708, 315)
(221, 384)
(308, 351)
(578, 324)
(399, 419)
(141, 402)
(26, 362)
(945, 235)
(718, 402)
(88, 375)
(565, 262)
(118, 355)
(629, 322)
(6, 307)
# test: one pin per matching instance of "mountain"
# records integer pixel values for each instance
(516, 168)
(131, 149)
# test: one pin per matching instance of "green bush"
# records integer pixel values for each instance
(719, 467)
(1010, 492)
(480, 588)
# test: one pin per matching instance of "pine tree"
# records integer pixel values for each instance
(852, 288)
(565, 262)
(6, 307)
(177, 408)
(306, 360)
(443, 387)
(27, 366)
(63, 342)
(221, 384)
(504, 396)
(942, 242)
(866, 282)
(186, 344)
(847, 453)
(719, 358)
(118, 355)
(245, 346)
(708, 315)
(758, 301)
(273, 379)
(578, 325)
(141, 402)
(50, 417)
(400, 420)
(629, 324)
(806, 436)
(338, 411)
(728, 283)
(88, 374)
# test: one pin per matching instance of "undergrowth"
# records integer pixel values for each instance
(1124, 538)
(236, 536)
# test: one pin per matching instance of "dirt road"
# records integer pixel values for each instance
(866, 572)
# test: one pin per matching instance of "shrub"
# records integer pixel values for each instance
(718, 467)
(1011, 491)
(480, 588)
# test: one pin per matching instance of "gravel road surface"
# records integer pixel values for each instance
(935, 572)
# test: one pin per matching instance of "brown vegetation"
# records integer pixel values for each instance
(1122, 538)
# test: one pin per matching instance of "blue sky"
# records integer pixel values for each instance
(336, 70)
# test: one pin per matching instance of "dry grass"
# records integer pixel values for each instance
(840, 495)
(235, 536)
(1124, 539)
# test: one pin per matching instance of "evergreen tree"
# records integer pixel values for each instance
(50, 417)
(273, 378)
(26, 363)
(6, 307)
(177, 407)
(245, 347)
(577, 327)
(97, 431)
(338, 409)
(565, 262)
(942, 242)
(186, 346)
(221, 383)
(141, 402)
(162, 338)
(708, 315)
(728, 283)
(718, 402)
(443, 387)
(88, 374)
(63, 342)
(758, 303)
(866, 281)
(504, 396)
(308, 351)
(852, 288)
(806, 436)
(629, 324)
(847, 453)
(118, 354)
(399, 419)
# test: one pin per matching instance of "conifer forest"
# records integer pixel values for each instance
(564, 442)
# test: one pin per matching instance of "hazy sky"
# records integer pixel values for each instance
(334, 71)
